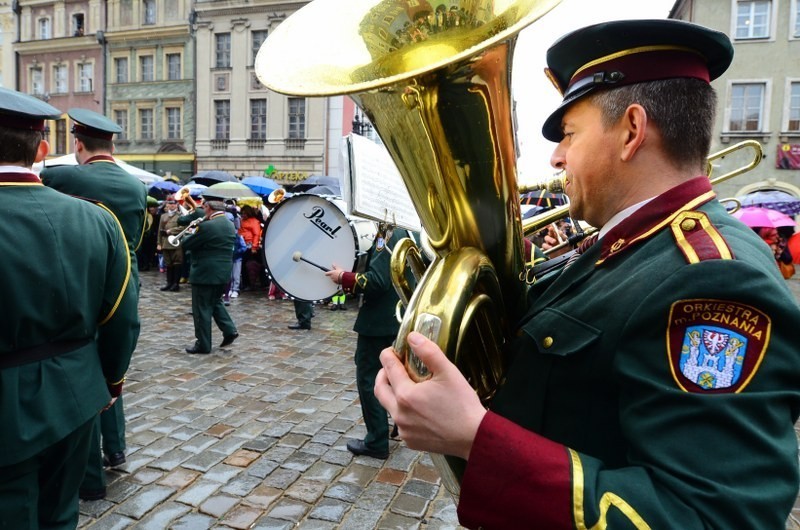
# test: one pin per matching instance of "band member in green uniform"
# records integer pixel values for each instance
(655, 381)
(377, 327)
(66, 341)
(211, 246)
(303, 312)
(98, 178)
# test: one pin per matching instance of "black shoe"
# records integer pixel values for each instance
(394, 435)
(114, 459)
(166, 287)
(342, 307)
(196, 349)
(175, 287)
(300, 326)
(228, 340)
(92, 495)
(334, 307)
(358, 447)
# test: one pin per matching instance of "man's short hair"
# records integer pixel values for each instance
(19, 145)
(215, 205)
(682, 109)
(95, 144)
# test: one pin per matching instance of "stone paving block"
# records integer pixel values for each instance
(338, 456)
(409, 505)
(198, 492)
(358, 519)
(326, 437)
(376, 497)
(222, 473)
(218, 505)
(316, 524)
(241, 485)
(228, 445)
(420, 489)
(329, 510)
(397, 522)
(402, 458)
(147, 475)
(135, 461)
(306, 490)
(171, 460)
(179, 478)
(315, 449)
(166, 426)
(162, 515)
(278, 429)
(294, 440)
(391, 476)
(119, 490)
(299, 461)
(288, 509)
(242, 458)
(184, 433)
(187, 416)
(359, 474)
(241, 517)
(262, 496)
(279, 453)
(193, 521)
(199, 443)
(204, 461)
(204, 422)
(94, 509)
(426, 473)
(145, 437)
(262, 467)
(443, 509)
(160, 446)
(250, 430)
(344, 492)
(322, 471)
(281, 478)
(144, 501)
(269, 523)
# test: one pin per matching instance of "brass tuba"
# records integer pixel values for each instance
(436, 84)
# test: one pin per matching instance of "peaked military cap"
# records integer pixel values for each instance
(625, 52)
(21, 111)
(89, 123)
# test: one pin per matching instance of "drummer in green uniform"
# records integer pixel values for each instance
(99, 179)
(66, 340)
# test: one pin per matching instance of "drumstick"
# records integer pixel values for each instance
(298, 256)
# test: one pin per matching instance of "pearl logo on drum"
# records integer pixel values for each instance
(316, 215)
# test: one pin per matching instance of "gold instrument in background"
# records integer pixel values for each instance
(436, 84)
(276, 196)
(183, 195)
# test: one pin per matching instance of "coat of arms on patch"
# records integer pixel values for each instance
(715, 345)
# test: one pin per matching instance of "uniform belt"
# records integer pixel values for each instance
(38, 353)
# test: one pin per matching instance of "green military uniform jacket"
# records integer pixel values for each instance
(101, 179)
(65, 278)
(212, 251)
(654, 384)
(376, 317)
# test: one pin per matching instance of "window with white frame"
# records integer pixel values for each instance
(258, 119)
(747, 107)
(121, 119)
(121, 69)
(297, 118)
(753, 19)
(259, 36)
(796, 14)
(44, 28)
(61, 137)
(77, 25)
(149, 14)
(173, 123)
(146, 68)
(60, 82)
(146, 124)
(223, 50)
(174, 66)
(37, 81)
(794, 107)
(85, 77)
(222, 119)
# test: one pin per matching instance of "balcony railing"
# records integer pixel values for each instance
(220, 143)
(256, 143)
(295, 143)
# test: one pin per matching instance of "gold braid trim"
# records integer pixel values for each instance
(128, 266)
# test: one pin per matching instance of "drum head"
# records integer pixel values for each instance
(319, 231)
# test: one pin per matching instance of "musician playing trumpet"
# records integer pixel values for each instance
(655, 382)
(173, 254)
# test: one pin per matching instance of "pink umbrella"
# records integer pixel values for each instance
(754, 216)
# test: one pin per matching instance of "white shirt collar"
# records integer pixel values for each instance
(621, 216)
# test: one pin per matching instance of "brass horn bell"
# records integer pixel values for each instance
(436, 84)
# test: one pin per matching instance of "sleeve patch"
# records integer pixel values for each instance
(715, 346)
(698, 239)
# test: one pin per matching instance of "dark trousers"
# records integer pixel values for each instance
(207, 304)
(303, 311)
(42, 491)
(368, 350)
(108, 431)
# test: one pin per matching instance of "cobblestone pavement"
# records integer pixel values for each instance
(253, 435)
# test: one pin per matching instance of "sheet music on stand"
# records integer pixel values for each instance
(372, 185)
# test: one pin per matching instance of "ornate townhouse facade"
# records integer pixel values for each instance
(759, 95)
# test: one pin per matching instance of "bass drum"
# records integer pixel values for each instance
(315, 229)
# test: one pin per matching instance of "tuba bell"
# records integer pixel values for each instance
(436, 85)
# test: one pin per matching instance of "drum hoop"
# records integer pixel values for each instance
(272, 278)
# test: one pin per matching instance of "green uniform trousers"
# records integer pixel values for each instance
(109, 426)
(368, 350)
(42, 491)
(304, 311)
(207, 304)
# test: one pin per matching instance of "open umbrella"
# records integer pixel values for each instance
(315, 180)
(228, 190)
(794, 247)
(261, 185)
(774, 200)
(208, 178)
(162, 188)
(325, 190)
(195, 189)
(755, 217)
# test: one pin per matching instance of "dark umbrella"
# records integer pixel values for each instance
(162, 188)
(261, 185)
(774, 200)
(315, 180)
(228, 190)
(208, 178)
(324, 190)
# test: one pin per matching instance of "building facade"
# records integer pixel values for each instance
(759, 95)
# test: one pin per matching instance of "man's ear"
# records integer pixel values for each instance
(42, 151)
(634, 123)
